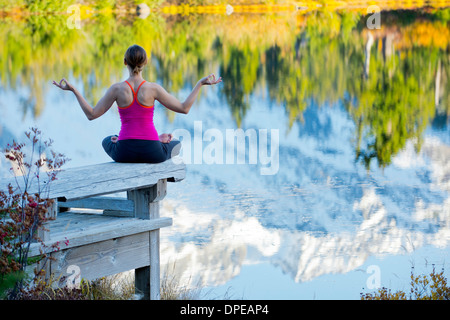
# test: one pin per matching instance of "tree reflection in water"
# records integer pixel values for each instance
(392, 81)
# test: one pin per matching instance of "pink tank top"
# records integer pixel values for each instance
(137, 120)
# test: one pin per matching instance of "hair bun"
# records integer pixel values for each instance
(136, 58)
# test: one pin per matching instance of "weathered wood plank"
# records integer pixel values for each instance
(92, 181)
(87, 230)
(116, 213)
(106, 178)
(103, 258)
(105, 203)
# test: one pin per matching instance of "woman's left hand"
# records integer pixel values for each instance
(64, 86)
(165, 137)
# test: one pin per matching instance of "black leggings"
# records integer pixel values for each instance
(142, 151)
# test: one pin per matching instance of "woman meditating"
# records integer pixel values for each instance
(138, 140)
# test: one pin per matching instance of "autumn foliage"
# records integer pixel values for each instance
(24, 208)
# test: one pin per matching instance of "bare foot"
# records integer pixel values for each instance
(165, 137)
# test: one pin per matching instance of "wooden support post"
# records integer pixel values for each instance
(43, 234)
(146, 206)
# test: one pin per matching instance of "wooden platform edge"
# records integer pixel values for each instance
(74, 183)
(121, 229)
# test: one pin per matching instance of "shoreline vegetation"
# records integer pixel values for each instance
(89, 8)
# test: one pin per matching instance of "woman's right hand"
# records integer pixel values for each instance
(63, 86)
(210, 80)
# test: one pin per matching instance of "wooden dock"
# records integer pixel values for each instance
(100, 235)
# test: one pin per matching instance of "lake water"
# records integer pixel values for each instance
(351, 190)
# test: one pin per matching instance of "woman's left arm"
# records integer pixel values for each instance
(100, 108)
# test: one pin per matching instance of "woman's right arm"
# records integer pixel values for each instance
(172, 103)
(100, 108)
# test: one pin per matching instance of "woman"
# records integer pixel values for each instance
(138, 140)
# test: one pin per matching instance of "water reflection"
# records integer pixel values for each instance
(363, 118)
(321, 214)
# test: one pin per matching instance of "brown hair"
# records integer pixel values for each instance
(136, 58)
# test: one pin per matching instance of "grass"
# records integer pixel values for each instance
(121, 287)
(115, 287)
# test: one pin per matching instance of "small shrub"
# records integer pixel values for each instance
(423, 287)
(43, 290)
(24, 212)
